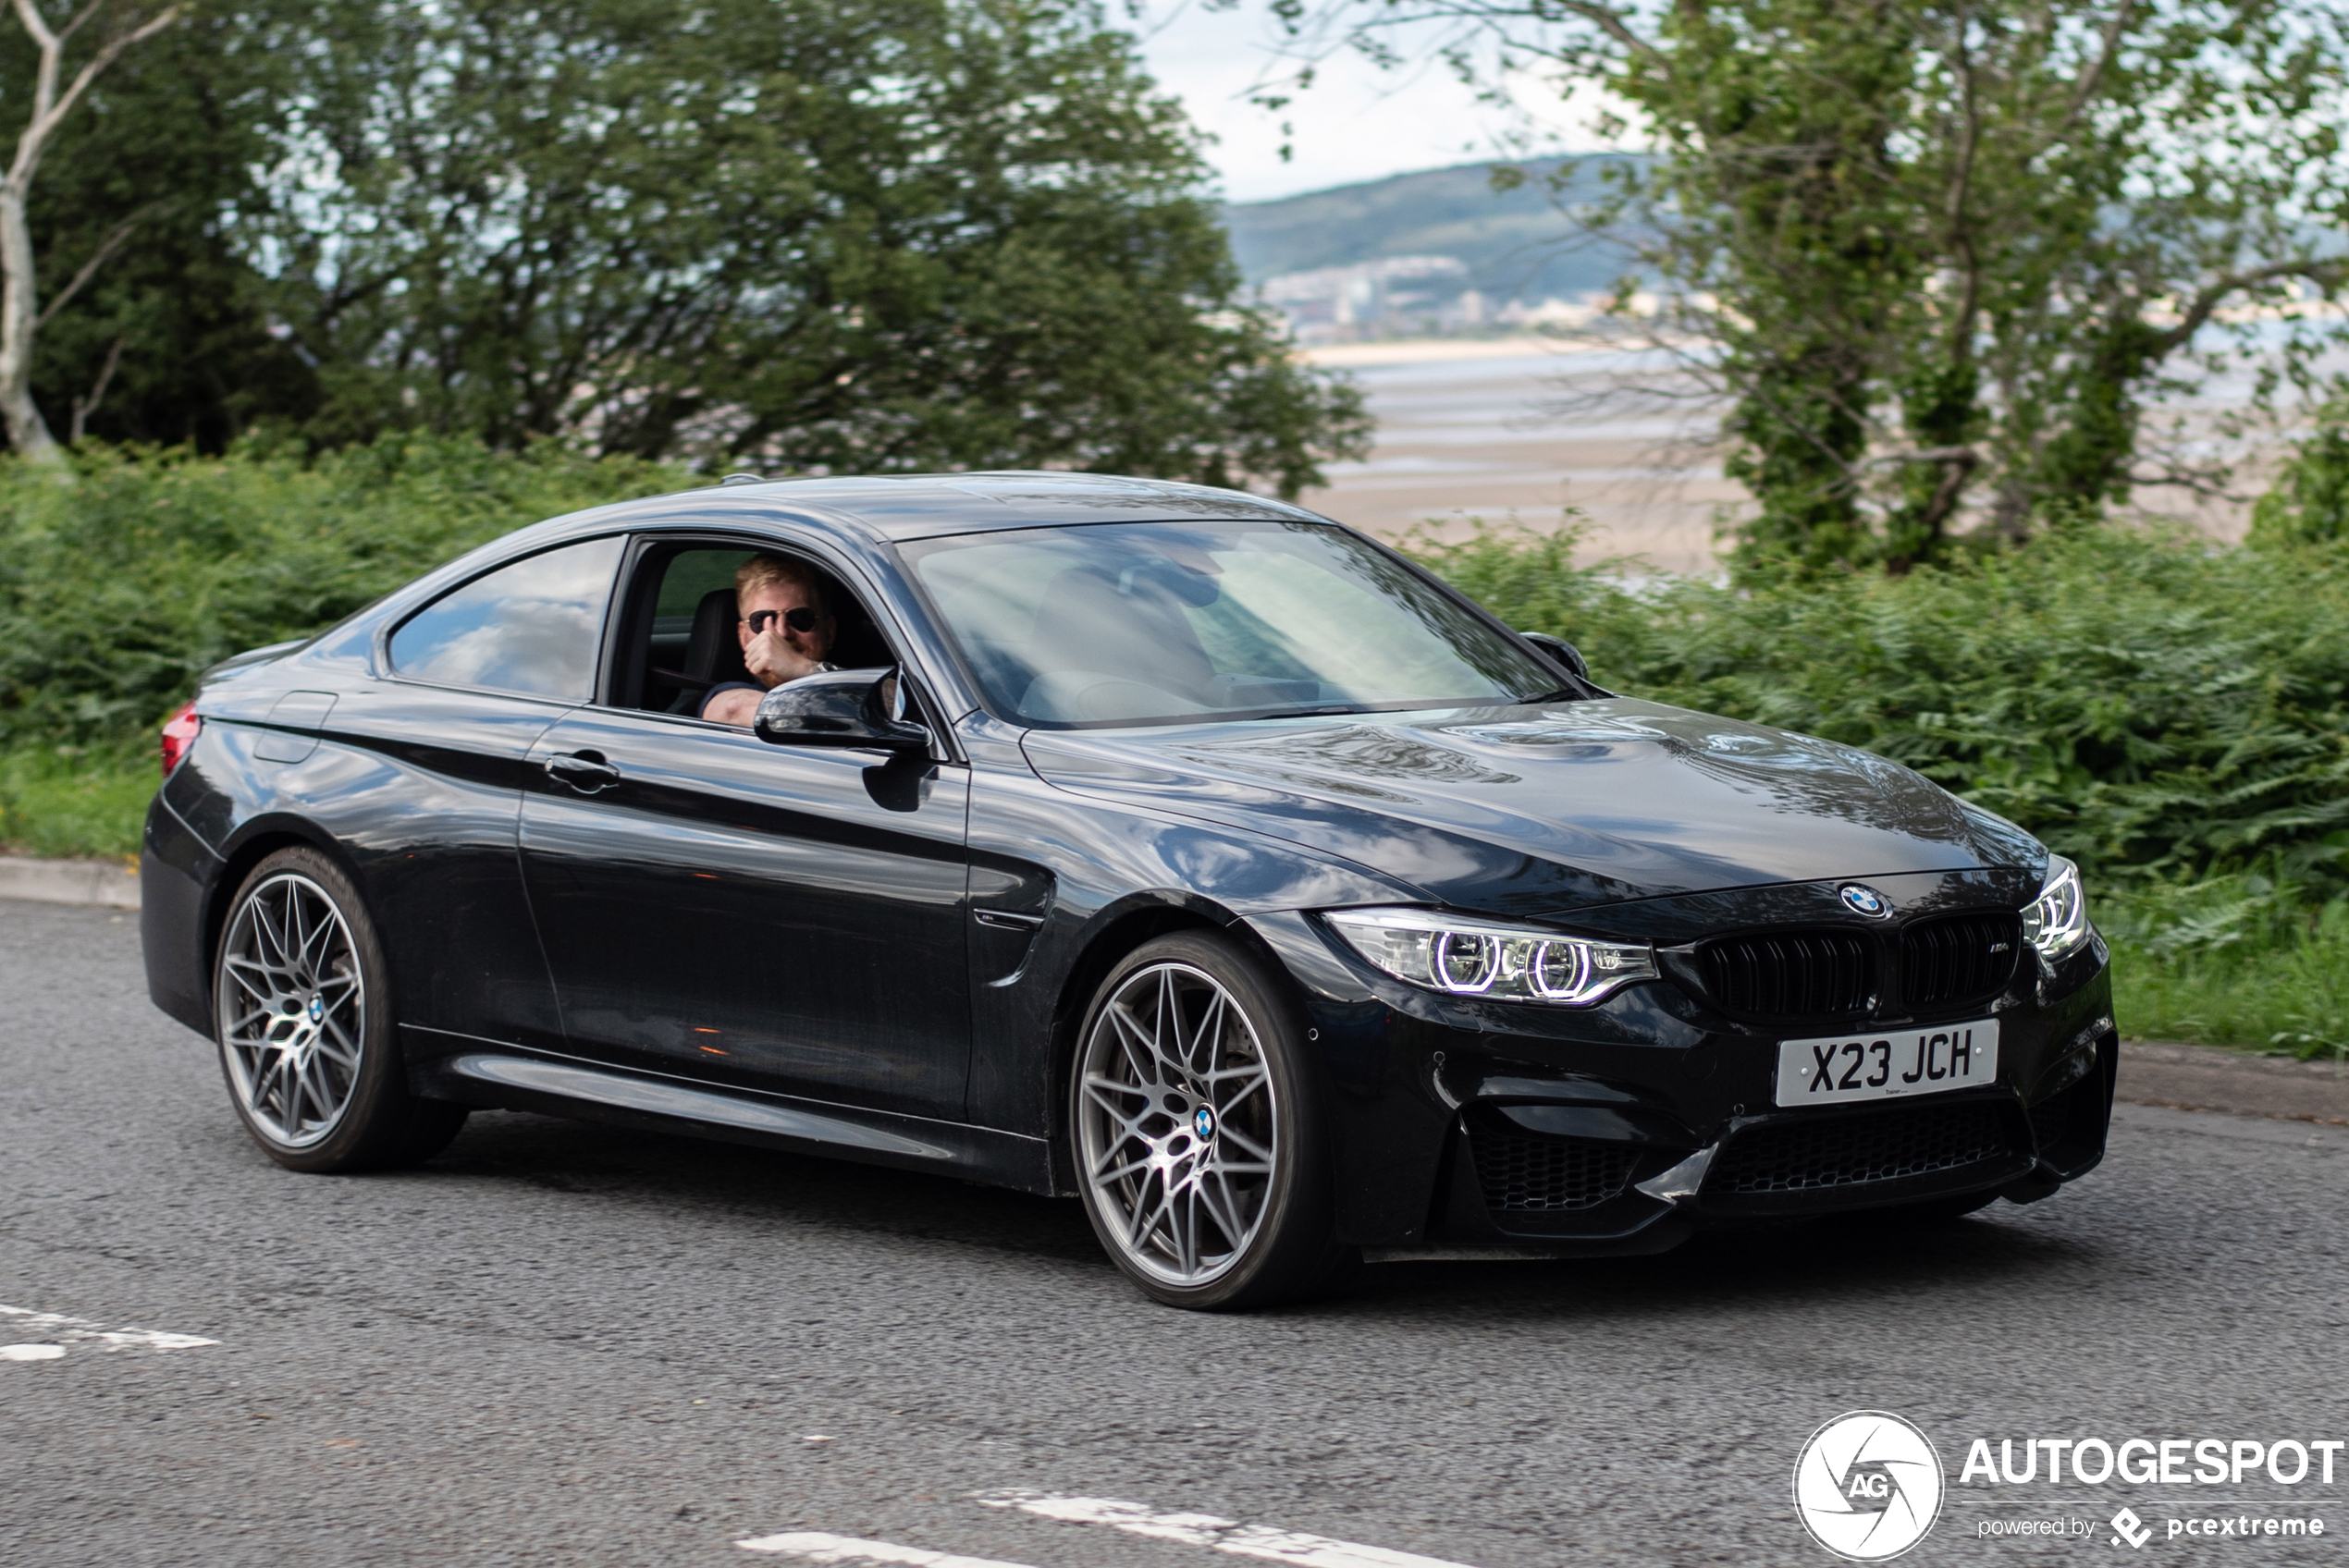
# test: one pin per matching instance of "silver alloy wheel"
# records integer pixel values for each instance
(292, 1010)
(1178, 1126)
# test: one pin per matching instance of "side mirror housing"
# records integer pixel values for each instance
(854, 708)
(1560, 652)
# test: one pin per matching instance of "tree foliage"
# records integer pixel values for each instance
(1942, 257)
(168, 340)
(2309, 502)
(46, 98)
(865, 235)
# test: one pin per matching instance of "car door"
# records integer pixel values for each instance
(427, 769)
(772, 917)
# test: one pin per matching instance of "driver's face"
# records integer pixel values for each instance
(782, 599)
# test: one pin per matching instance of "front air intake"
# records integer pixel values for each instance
(1791, 974)
(1853, 1150)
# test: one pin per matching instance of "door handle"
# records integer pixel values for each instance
(583, 771)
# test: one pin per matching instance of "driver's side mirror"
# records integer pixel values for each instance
(1561, 652)
(857, 708)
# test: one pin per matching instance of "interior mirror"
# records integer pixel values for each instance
(840, 707)
(1561, 651)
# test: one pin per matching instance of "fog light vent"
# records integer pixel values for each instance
(1524, 1173)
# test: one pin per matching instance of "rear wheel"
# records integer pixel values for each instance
(302, 1012)
(1197, 1136)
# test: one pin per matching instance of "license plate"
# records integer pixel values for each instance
(1875, 1067)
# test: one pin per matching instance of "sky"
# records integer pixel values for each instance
(1356, 123)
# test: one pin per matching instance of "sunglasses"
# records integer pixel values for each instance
(799, 618)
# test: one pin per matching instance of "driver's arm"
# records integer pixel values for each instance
(735, 704)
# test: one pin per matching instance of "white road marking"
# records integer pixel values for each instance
(60, 1334)
(816, 1546)
(1296, 1548)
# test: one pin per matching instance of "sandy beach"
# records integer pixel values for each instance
(1519, 428)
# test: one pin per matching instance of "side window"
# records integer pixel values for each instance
(532, 626)
(684, 640)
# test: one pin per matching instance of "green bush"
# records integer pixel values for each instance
(116, 591)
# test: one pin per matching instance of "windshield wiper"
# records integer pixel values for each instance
(1563, 694)
(1306, 712)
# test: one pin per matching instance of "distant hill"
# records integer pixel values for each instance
(1516, 244)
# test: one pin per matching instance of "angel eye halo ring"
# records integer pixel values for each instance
(2056, 922)
(1463, 956)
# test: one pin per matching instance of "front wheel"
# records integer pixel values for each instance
(302, 1013)
(1197, 1136)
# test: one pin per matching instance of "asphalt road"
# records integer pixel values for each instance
(559, 1344)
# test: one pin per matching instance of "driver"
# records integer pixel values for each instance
(786, 628)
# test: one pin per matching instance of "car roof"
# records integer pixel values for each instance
(898, 507)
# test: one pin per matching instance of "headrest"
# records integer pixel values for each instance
(714, 654)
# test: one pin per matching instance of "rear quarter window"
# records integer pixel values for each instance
(532, 626)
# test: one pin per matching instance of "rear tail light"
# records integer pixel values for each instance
(178, 734)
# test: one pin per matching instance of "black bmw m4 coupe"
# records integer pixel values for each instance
(1167, 847)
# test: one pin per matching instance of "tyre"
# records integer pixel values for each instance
(1196, 1131)
(302, 1010)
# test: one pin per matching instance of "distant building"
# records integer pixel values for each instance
(1370, 299)
(1399, 296)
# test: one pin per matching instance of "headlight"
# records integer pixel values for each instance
(1466, 957)
(2056, 921)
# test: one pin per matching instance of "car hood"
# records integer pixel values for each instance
(1531, 810)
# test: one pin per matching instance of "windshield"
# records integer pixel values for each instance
(1170, 622)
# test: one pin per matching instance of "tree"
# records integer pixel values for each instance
(21, 312)
(156, 179)
(1942, 256)
(2309, 502)
(871, 234)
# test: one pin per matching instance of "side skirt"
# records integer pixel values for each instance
(499, 1076)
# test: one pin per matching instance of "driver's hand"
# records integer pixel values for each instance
(772, 661)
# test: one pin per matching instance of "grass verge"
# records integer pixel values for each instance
(2230, 963)
(67, 802)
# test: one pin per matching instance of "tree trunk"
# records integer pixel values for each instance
(28, 432)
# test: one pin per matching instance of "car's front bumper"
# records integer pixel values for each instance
(1624, 1128)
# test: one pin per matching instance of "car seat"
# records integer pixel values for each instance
(713, 654)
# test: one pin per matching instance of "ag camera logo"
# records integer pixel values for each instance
(1868, 1486)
